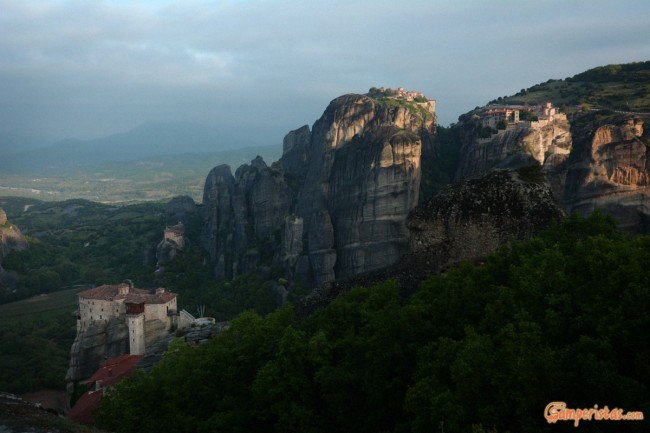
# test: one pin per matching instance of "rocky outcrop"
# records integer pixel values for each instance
(244, 216)
(475, 217)
(335, 204)
(180, 212)
(465, 221)
(99, 342)
(172, 243)
(11, 239)
(596, 161)
(609, 170)
(194, 336)
(180, 209)
(18, 416)
(519, 145)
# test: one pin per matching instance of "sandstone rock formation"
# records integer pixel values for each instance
(475, 217)
(594, 161)
(101, 341)
(609, 170)
(522, 144)
(11, 239)
(465, 221)
(335, 204)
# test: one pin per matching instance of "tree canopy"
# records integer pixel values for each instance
(483, 348)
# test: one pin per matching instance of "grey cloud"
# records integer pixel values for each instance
(85, 69)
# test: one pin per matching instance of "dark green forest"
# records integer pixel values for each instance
(78, 243)
(562, 317)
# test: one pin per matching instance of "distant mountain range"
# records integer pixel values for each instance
(146, 141)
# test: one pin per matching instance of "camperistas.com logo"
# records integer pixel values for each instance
(558, 411)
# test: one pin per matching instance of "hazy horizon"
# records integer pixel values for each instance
(88, 70)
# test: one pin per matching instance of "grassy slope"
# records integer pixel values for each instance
(44, 305)
(615, 87)
(35, 339)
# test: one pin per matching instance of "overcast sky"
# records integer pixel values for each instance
(87, 69)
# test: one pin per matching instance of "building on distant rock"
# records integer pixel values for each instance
(491, 118)
(173, 241)
(175, 234)
(402, 94)
(510, 115)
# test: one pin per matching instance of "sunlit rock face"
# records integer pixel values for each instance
(521, 144)
(335, 204)
(593, 161)
(609, 171)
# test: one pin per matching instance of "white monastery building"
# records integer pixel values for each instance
(148, 316)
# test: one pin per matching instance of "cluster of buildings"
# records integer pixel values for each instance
(401, 93)
(510, 115)
(148, 316)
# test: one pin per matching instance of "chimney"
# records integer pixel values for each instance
(125, 287)
(160, 290)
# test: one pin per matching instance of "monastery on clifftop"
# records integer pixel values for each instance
(148, 316)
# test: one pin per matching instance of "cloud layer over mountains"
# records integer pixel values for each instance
(90, 69)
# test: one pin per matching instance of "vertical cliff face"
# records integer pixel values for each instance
(243, 216)
(335, 204)
(521, 144)
(99, 342)
(609, 170)
(595, 161)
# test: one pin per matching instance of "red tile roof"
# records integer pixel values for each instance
(84, 407)
(136, 296)
(111, 373)
(114, 370)
(148, 298)
(108, 292)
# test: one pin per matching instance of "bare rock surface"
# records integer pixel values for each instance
(466, 221)
(336, 203)
(91, 347)
(609, 170)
